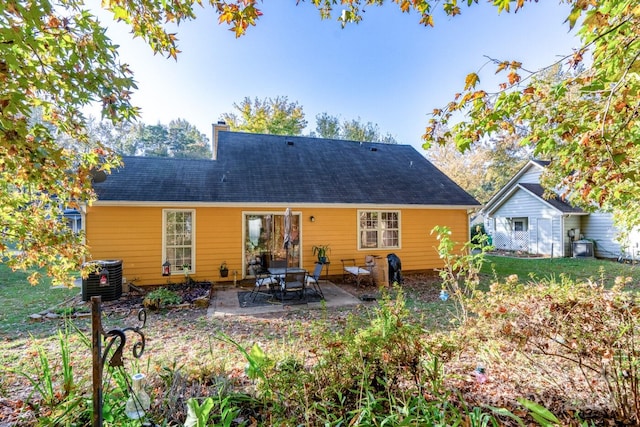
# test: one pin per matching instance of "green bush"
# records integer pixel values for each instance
(461, 271)
(477, 232)
(161, 297)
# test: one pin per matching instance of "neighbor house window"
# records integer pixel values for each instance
(379, 229)
(179, 239)
(520, 224)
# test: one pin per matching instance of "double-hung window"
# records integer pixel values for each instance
(179, 239)
(379, 229)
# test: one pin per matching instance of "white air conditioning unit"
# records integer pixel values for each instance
(583, 249)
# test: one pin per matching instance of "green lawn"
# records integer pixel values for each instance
(546, 268)
(20, 299)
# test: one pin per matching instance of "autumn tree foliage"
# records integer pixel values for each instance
(586, 124)
(55, 58)
(485, 169)
(277, 116)
(328, 126)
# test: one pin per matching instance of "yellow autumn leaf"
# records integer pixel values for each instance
(573, 17)
(502, 5)
(479, 94)
(427, 20)
(501, 66)
(471, 81)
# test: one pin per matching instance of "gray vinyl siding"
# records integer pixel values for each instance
(599, 227)
(633, 251)
(523, 205)
(531, 176)
(520, 205)
(548, 245)
(509, 204)
(571, 222)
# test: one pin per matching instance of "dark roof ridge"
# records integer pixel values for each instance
(557, 202)
(159, 158)
(310, 137)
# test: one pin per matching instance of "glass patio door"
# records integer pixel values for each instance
(264, 242)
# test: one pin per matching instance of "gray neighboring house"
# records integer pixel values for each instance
(519, 218)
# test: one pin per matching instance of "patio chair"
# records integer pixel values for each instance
(278, 263)
(313, 281)
(263, 280)
(293, 282)
(357, 272)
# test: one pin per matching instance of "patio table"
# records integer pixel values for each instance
(280, 271)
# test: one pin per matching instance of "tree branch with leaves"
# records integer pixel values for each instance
(55, 59)
(586, 124)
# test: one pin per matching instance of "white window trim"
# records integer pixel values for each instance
(174, 269)
(379, 243)
(525, 224)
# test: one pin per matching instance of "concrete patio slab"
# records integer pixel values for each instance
(225, 302)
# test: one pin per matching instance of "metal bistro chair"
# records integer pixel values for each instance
(263, 280)
(313, 281)
(293, 282)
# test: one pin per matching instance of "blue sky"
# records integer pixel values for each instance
(388, 69)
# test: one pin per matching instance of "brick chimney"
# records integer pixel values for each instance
(217, 127)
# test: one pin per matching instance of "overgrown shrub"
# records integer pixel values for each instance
(585, 327)
(375, 374)
(461, 271)
(383, 357)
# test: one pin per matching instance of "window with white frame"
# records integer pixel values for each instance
(179, 239)
(379, 229)
(520, 224)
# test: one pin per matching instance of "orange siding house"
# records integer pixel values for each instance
(359, 198)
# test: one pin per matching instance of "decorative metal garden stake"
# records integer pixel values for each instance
(96, 340)
(115, 359)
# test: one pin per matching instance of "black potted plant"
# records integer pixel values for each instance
(322, 251)
(224, 270)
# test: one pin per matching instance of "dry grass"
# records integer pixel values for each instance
(186, 341)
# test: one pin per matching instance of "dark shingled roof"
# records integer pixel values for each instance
(274, 169)
(556, 202)
(543, 163)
